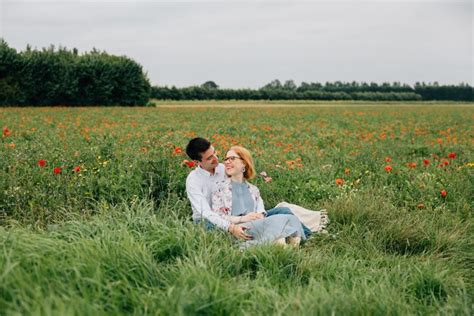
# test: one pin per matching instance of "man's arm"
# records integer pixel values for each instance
(200, 205)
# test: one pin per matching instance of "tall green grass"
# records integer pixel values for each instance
(135, 258)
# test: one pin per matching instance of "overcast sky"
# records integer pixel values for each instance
(249, 43)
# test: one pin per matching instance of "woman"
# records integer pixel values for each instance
(240, 203)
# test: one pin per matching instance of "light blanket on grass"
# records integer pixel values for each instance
(316, 221)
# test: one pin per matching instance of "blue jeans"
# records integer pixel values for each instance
(286, 210)
(274, 211)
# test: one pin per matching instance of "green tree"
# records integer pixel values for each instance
(210, 85)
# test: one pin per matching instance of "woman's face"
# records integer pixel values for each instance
(233, 164)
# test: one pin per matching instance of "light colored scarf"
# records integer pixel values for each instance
(316, 221)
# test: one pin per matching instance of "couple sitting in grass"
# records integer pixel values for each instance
(221, 197)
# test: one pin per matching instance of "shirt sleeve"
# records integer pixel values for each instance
(260, 206)
(200, 205)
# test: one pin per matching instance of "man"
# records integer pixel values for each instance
(199, 185)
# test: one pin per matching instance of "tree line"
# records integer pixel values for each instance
(60, 76)
(338, 90)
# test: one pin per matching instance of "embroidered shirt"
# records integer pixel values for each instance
(222, 198)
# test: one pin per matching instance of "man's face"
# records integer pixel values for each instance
(209, 160)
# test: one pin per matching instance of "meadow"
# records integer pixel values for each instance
(94, 217)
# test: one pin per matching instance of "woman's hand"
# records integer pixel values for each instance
(239, 232)
(252, 217)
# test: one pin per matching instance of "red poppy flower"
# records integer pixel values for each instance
(339, 181)
(426, 162)
(177, 151)
(411, 165)
(445, 162)
(443, 193)
(6, 132)
(388, 168)
(388, 159)
(188, 163)
(42, 163)
(452, 155)
(57, 170)
(77, 168)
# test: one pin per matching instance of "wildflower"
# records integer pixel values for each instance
(388, 168)
(411, 165)
(452, 155)
(421, 206)
(388, 159)
(188, 163)
(347, 171)
(57, 170)
(339, 181)
(6, 132)
(77, 168)
(177, 151)
(42, 163)
(445, 162)
(265, 177)
(426, 162)
(443, 193)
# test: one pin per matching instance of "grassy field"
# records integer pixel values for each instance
(94, 218)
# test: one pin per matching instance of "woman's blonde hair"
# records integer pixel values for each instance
(247, 159)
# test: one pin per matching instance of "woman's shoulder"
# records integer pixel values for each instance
(253, 187)
(222, 183)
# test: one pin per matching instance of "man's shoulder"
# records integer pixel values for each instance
(193, 176)
(221, 168)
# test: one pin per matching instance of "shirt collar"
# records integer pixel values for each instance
(207, 173)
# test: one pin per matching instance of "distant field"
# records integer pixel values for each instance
(94, 217)
(304, 103)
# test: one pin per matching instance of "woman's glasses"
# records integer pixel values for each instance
(231, 158)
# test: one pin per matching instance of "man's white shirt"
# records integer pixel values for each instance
(199, 186)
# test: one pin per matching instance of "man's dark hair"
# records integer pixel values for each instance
(196, 147)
